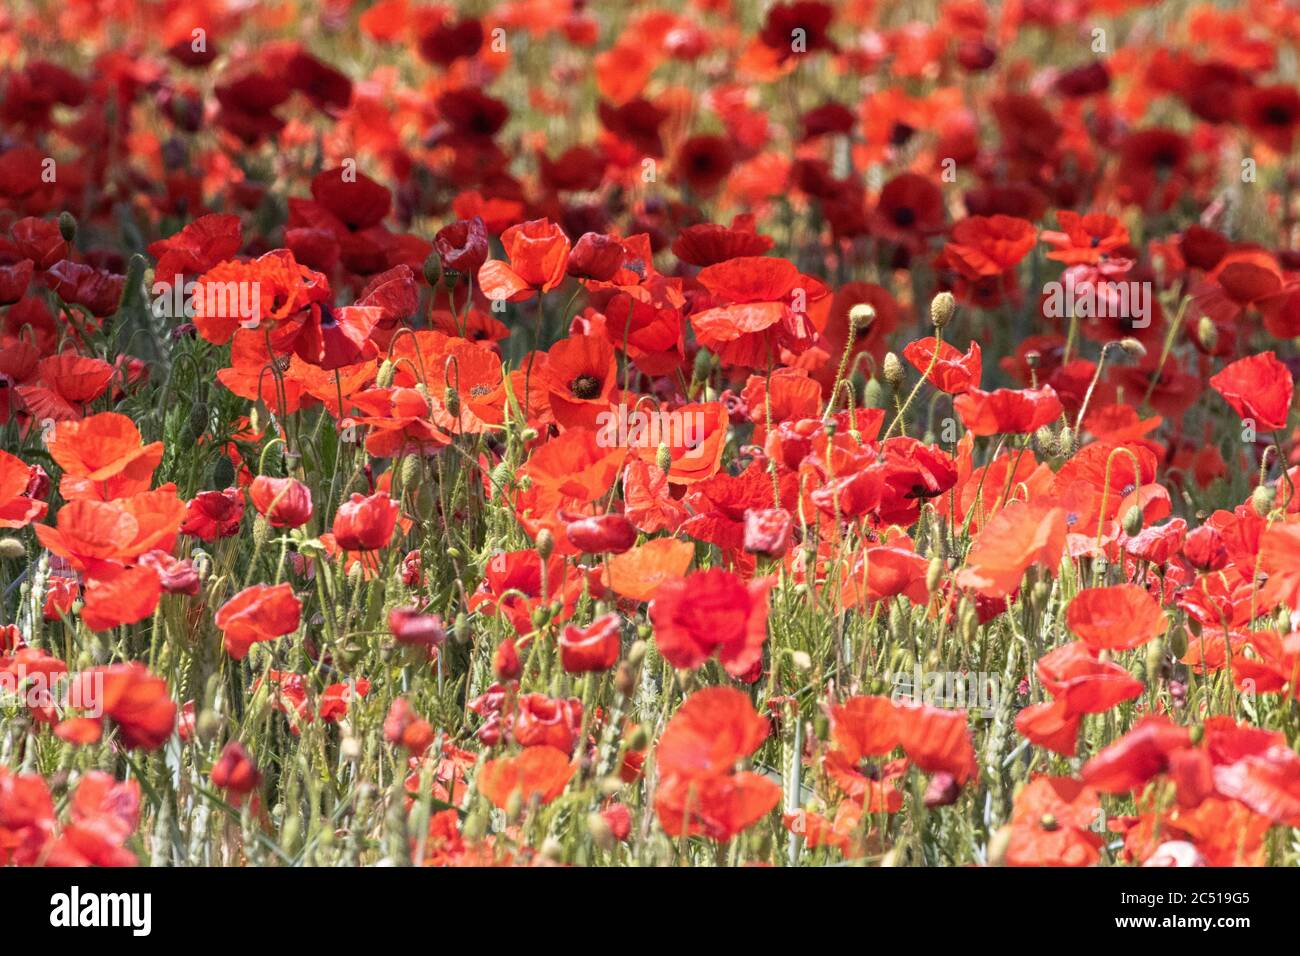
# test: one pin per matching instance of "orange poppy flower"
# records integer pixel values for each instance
(64, 385)
(17, 508)
(709, 612)
(537, 773)
(639, 572)
(1117, 618)
(1052, 824)
(103, 457)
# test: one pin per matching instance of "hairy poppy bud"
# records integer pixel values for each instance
(1065, 441)
(1262, 498)
(12, 548)
(602, 834)
(802, 661)
(872, 394)
(1155, 658)
(1133, 521)
(861, 316)
(601, 534)
(1045, 438)
(505, 663)
(637, 739)
(1033, 358)
(545, 543)
(1132, 347)
(934, 574)
(893, 370)
(384, 377)
(68, 226)
(664, 458)
(1207, 333)
(460, 629)
(942, 307)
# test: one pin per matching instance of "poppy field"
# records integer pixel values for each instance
(672, 433)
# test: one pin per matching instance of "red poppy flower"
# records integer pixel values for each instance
(136, 700)
(594, 648)
(711, 611)
(235, 772)
(284, 502)
(1117, 618)
(1052, 824)
(17, 508)
(1008, 411)
(258, 613)
(365, 522)
(214, 514)
(952, 371)
(1259, 388)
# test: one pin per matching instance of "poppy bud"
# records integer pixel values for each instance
(1045, 438)
(514, 805)
(602, 534)
(767, 531)
(545, 543)
(528, 434)
(1196, 733)
(1065, 441)
(934, 574)
(802, 661)
(872, 394)
(1155, 658)
(942, 307)
(602, 834)
(68, 226)
(460, 629)
(1132, 347)
(365, 523)
(1262, 498)
(636, 653)
(197, 423)
(1178, 642)
(893, 370)
(12, 549)
(207, 726)
(414, 629)
(861, 316)
(1133, 521)
(821, 725)
(432, 269)
(637, 739)
(451, 401)
(595, 256)
(1207, 333)
(234, 770)
(664, 458)
(1033, 358)
(703, 364)
(506, 661)
(384, 377)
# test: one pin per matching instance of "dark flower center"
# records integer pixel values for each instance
(585, 386)
(903, 216)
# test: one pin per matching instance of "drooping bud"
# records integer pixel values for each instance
(1065, 441)
(68, 226)
(664, 458)
(1262, 498)
(1133, 521)
(861, 316)
(384, 377)
(1207, 333)
(1132, 347)
(12, 549)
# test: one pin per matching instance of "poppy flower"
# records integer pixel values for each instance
(414, 629)
(403, 728)
(258, 613)
(579, 376)
(136, 700)
(703, 162)
(17, 508)
(1085, 239)
(594, 648)
(1271, 113)
(1052, 824)
(103, 457)
(767, 531)
(951, 371)
(117, 596)
(910, 209)
(235, 772)
(810, 18)
(536, 773)
(462, 246)
(709, 612)
(1008, 411)
(199, 246)
(1021, 535)
(1142, 753)
(1259, 388)
(365, 522)
(708, 243)
(639, 572)
(601, 534)
(538, 252)
(284, 502)
(1117, 618)
(763, 305)
(64, 385)
(214, 514)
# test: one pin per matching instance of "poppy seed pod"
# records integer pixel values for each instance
(942, 307)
